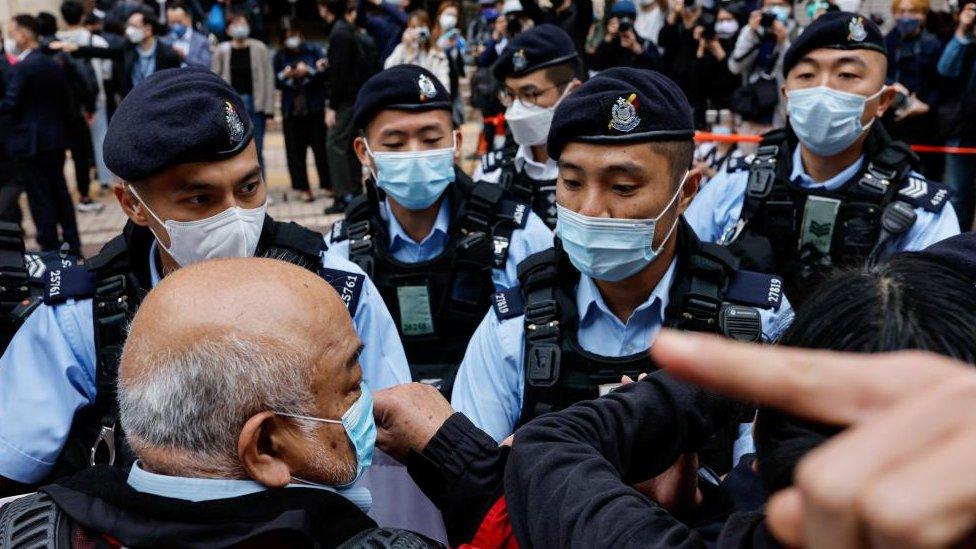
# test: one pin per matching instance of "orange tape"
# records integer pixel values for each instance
(742, 138)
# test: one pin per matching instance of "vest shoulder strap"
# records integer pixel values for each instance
(295, 237)
(496, 160)
(348, 285)
(34, 521)
(508, 304)
(924, 193)
(75, 282)
(755, 289)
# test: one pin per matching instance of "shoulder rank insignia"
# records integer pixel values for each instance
(923, 193)
(508, 304)
(348, 285)
(756, 289)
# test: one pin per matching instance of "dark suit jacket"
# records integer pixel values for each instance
(125, 58)
(35, 106)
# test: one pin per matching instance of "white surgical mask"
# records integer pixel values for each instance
(448, 21)
(852, 6)
(135, 34)
(292, 42)
(530, 123)
(239, 31)
(825, 120)
(233, 232)
(606, 248)
(726, 28)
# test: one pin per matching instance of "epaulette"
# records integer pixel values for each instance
(339, 231)
(508, 304)
(739, 164)
(497, 159)
(516, 212)
(348, 285)
(756, 289)
(64, 283)
(924, 193)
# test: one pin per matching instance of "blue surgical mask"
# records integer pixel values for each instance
(415, 179)
(908, 26)
(782, 13)
(178, 29)
(360, 428)
(825, 120)
(610, 249)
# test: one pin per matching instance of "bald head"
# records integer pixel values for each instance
(219, 341)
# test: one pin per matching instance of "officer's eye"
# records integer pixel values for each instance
(571, 184)
(849, 75)
(624, 189)
(432, 140)
(392, 145)
(198, 199)
(250, 188)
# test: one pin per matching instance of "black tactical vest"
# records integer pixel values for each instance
(116, 280)
(802, 233)
(437, 304)
(540, 194)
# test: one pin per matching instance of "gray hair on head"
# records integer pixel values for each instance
(188, 405)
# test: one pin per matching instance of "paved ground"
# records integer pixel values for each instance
(98, 228)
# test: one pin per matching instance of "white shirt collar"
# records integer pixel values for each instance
(23, 54)
(540, 171)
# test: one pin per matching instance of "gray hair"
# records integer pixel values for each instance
(193, 401)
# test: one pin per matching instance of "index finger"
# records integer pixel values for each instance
(825, 386)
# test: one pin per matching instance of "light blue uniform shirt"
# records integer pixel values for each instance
(48, 373)
(209, 489)
(534, 237)
(491, 381)
(717, 206)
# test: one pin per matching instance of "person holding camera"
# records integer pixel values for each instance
(621, 45)
(415, 49)
(758, 59)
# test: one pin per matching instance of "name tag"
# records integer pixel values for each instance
(415, 317)
(819, 215)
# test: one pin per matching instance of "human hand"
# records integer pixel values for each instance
(755, 21)
(322, 64)
(913, 107)
(300, 70)
(967, 19)
(779, 31)
(613, 27)
(892, 479)
(330, 117)
(407, 417)
(676, 489)
(59, 45)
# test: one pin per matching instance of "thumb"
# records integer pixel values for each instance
(784, 517)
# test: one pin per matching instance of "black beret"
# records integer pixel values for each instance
(539, 47)
(402, 87)
(175, 116)
(622, 105)
(839, 30)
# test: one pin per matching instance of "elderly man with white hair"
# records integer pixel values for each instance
(241, 394)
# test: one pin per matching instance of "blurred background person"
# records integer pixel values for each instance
(573, 16)
(36, 106)
(913, 55)
(758, 59)
(448, 38)
(958, 113)
(384, 21)
(193, 47)
(651, 15)
(100, 72)
(9, 188)
(303, 95)
(621, 45)
(246, 64)
(416, 48)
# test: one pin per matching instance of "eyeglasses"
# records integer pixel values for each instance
(528, 98)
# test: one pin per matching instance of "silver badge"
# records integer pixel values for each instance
(427, 89)
(235, 128)
(623, 115)
(856, 28)
(519, 62)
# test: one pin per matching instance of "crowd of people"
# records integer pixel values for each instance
(607, 335)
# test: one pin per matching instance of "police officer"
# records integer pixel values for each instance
(539, 67)
(832, 187)
(625, 262)
(434, 242)
(193, 190)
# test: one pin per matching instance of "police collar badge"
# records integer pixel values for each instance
(235, 128)
(427, 89)
(623, 115)
(856, 28)
(519, 61)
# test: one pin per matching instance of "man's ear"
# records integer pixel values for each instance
(458, 142)
(359, 145)
(690, 188)
(884, 101)
(268, 449)
(576, 83)
(133, 208)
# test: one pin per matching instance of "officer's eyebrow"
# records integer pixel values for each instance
(631, 169)
(250, 175)
(567, 165)
(852, 59)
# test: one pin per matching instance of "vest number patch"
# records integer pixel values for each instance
(415, 316)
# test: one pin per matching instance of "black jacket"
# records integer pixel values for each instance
(35, 106)
(125, 59)
(569, 475)
(343, 56)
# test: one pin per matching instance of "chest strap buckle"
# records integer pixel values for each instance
(875, 180)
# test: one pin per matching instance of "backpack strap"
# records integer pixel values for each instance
(34, 521)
